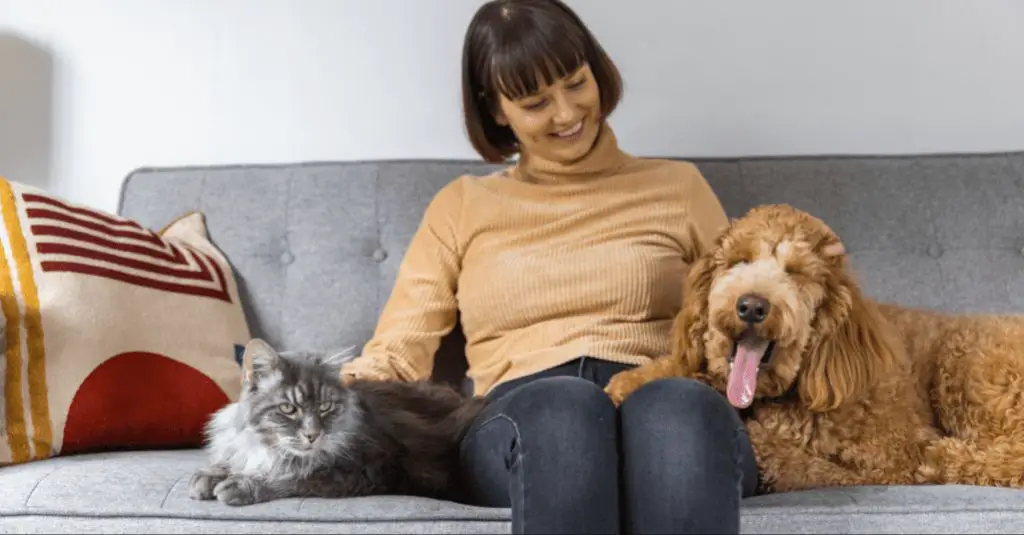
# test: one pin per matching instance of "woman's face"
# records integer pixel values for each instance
(560, 122)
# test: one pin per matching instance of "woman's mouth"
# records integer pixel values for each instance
(570, 134)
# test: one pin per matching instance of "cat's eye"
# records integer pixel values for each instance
(326, 406)
(286, 408)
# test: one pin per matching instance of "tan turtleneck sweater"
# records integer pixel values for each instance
(547, 263)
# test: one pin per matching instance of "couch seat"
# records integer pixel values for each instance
(147, 491)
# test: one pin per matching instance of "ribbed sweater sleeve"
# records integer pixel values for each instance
(707, 219)
(422, 307)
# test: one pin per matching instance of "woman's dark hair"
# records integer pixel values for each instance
(507, 45)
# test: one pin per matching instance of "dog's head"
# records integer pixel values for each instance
(773, 307)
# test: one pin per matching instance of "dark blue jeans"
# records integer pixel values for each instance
(675, 457)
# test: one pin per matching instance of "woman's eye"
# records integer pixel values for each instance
(535, 105)
(286, 408)
(326, 406)
(577, 84)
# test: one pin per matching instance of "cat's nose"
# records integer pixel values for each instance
(310, 436)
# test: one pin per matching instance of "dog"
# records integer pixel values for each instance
(837, 389)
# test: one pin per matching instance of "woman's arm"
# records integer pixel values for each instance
(422, 306)
(707, 219)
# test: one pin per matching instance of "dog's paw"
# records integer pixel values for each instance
(201, 486)
(930, 471)
(623, 384)
(236, 490)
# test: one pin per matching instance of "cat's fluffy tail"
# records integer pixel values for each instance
(466, 414)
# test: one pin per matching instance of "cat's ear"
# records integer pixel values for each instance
(258, 361)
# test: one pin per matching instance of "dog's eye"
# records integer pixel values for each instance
(733, 262)
(800, 276)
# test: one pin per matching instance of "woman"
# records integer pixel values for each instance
(566, 268)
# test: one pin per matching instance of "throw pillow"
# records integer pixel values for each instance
(116, 337)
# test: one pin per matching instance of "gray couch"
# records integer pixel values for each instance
(317, 246)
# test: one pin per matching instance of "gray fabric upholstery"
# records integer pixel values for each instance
(151, 490)
(317, 246)
(148, 492)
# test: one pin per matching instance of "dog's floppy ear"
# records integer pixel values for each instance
(833, 249)
(692, 321)
(855, 349)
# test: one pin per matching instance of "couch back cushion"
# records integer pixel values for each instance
(316, 246)
(114, 336)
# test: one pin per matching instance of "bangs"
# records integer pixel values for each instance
(519, 69)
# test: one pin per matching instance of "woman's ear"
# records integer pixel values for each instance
(499, 117)
(497, 112)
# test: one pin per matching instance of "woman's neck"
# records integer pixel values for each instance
(604, 158)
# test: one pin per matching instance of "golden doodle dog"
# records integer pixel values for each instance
(838, 389)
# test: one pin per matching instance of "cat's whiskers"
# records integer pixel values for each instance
(362, 429)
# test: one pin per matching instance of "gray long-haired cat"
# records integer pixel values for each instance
(297, 431)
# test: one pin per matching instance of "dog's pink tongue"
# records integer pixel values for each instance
(743, 374)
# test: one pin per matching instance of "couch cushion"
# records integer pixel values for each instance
(943, 232)
(148, 492)
(317, 246)
(116, 336)
(881, 509)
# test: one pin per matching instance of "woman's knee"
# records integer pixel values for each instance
(681, 402)
(677, 426)
(557, 401)
(552, 410)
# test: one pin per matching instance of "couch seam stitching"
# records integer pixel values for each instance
(36, 486)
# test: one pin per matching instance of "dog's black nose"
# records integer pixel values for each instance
(752, 308)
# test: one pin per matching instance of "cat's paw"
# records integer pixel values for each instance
(236, 490)
(201, 486)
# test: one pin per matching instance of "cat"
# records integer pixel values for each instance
(298, 431)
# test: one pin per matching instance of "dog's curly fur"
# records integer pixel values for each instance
(854, 391)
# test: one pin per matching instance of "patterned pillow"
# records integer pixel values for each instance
(116, 337)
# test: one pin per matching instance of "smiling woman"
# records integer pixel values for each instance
(565, 268)
(520, 94)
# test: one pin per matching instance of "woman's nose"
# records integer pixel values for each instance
(564, 110)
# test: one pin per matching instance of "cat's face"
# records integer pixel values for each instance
(296, 403)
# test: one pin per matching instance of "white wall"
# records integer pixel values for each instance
(91, 89)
